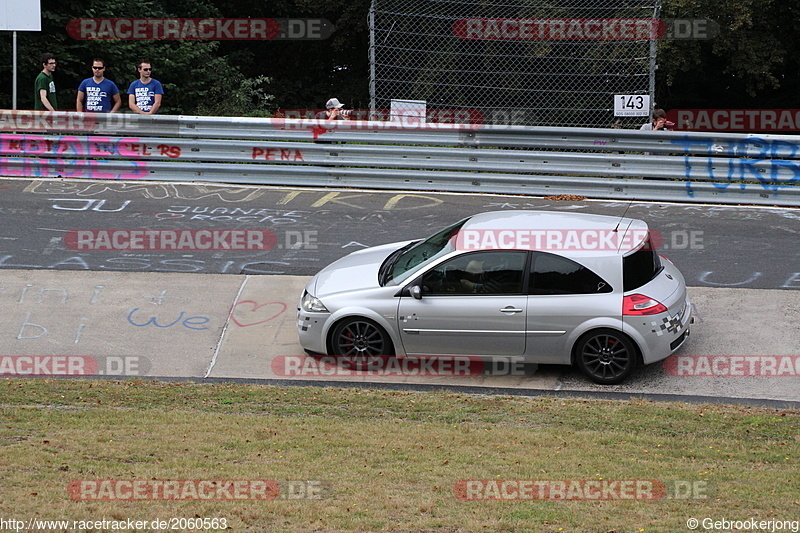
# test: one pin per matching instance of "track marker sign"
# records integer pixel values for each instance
(631, 105)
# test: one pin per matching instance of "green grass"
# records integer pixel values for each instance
(390, 459)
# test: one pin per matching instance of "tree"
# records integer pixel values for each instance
(190, 70)
(752, 63)
(306, 73)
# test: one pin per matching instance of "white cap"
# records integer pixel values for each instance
(334, 103)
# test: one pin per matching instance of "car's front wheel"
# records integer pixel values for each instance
(360, 342)
(606, 356)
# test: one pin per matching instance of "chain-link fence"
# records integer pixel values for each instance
(532, 62)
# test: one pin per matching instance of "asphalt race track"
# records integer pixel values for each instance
(230, 314)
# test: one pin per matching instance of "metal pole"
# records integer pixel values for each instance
(14, 75)
(653, 64)
(372, 59)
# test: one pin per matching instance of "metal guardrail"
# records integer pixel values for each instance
(599, 163)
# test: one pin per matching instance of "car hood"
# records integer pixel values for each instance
(359, 270)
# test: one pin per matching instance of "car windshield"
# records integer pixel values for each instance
(400, 266)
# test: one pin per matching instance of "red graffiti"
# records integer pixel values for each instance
(139, 149)
(277, 154)
(169, 151)
(271, 312)
(12, 144)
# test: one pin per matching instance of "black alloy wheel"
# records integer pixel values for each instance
(606, 356)
(361, 343)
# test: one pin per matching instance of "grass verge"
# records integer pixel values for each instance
(391, 460)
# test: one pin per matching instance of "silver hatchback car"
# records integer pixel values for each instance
(545, 287)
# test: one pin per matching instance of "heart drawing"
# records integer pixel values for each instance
(273, 310)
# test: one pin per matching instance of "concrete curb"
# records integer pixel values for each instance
(233, 327)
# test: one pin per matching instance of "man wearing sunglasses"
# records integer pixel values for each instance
(145, 94)
(99, 94)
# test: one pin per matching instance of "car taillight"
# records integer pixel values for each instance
(638, 304)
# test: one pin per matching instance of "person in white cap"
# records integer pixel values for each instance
(333, 110)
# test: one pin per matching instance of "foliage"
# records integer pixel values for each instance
(189, 70)
(751, 63)
(248, 99)
(306, 73)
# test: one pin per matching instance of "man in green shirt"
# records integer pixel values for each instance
(45, 87)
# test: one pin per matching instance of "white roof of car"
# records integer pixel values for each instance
(569, 234)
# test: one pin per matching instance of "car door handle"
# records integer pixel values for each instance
(508, 310)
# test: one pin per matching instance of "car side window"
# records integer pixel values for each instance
(553, 274)
(495, 272)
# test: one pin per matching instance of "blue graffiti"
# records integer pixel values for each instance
(757, 162)
(192, 322)
(25, 167)
(755, 147)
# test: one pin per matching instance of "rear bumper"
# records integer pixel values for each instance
(659, 336)
(677, 343)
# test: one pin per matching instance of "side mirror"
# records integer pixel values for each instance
(415, 292)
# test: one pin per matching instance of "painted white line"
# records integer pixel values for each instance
(225, 327)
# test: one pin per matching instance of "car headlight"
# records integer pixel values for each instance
(312, 304)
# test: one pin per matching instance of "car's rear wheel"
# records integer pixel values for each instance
(606, 356)
(361, 343)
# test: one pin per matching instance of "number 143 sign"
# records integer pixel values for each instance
(631, 105)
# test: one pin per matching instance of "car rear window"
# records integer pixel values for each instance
(640, 267)
(553, 274)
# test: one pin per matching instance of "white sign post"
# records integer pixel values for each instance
(631, 105)
(19, 16)
(408, 112)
